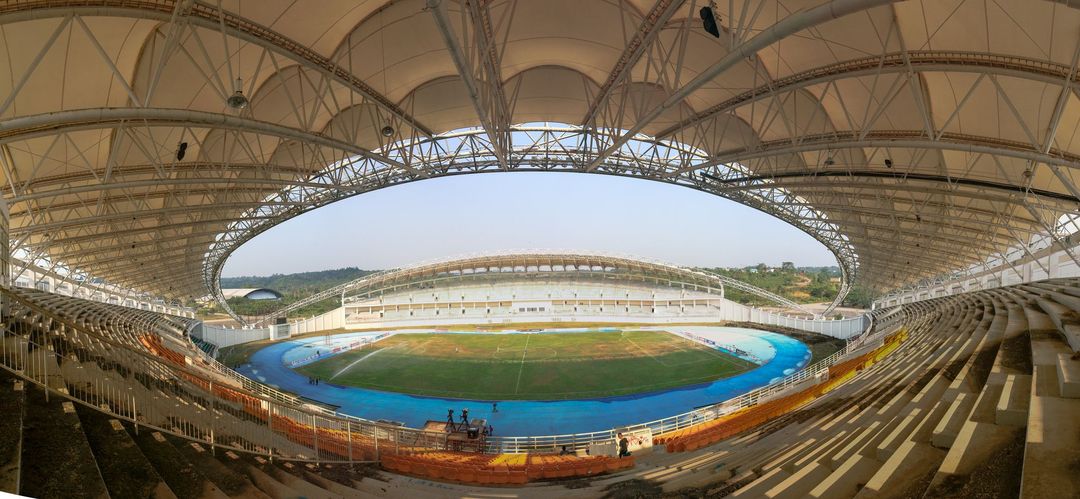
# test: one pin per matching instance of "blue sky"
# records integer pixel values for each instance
(511, 211)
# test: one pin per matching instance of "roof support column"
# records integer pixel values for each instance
(479, 70)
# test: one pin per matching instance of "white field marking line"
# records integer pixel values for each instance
(522, 368)
(658, 361)
(355, 362)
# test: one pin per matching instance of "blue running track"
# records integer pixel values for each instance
(527, 417)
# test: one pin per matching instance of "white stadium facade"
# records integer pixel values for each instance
(930, 145)
(537, 286)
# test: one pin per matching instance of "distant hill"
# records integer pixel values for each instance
(299, 282)
(800, 284)
(293, 287)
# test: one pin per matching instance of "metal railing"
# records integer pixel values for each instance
(102, 356)
(869, 338)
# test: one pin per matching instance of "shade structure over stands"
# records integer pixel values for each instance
(926, 144)
(911, 142)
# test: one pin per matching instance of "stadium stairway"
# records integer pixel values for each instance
(979, 397)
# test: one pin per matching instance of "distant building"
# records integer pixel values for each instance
(251, 293)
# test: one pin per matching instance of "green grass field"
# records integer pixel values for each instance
(528, 366)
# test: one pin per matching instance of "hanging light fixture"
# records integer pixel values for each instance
(237, 100)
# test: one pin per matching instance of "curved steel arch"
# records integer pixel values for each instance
(466, 266)
(910, 139)
(561, 148)
(26, 127)
(213, 19)
(895, 62)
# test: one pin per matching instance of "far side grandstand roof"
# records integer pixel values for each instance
(251, 293)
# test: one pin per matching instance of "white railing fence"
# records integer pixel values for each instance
(870, 338)
(97, 355)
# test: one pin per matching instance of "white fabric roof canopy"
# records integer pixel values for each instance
(973, 104)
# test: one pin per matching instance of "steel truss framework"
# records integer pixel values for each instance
(537, 148)
(552, 265)
(137, 221)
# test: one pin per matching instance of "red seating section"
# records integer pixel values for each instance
(501, 469)
(464, 467)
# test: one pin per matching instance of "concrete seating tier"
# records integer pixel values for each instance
(502, 469)
(980, 399)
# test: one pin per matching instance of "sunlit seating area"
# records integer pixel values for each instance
(960, 395)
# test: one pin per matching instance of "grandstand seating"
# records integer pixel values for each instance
(973, 394)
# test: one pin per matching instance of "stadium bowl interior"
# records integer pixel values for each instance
(927, 145)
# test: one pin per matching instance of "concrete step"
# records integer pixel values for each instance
(56, 458)
(899, 434)
(270, 485)
(126, 471)
(179, 473)
(974, 445)
(763, 484)
(799, 484)
(953, 420)
(1068, 376)
(229, 480)
(295, 478)
(13, 409)
(1012, 406)
(1051, 452)
(848, 479)
(905, 469)
(335, 487)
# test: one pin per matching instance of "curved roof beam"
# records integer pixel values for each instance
(894, 62)
(119, 171)
(792, 24)
(830, 185)
(651, 25)
(227, 182)
(109, 243)
(46, 124)
(112, 234)
(209, 17)
(907, 139)
(95, 220)
(903, 176)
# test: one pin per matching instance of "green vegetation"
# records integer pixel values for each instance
(528, 366)
(293, 287)
(801, 285)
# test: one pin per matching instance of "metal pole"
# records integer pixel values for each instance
(315, 438)
(45, 372)
(348, 430)
(270, 426)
